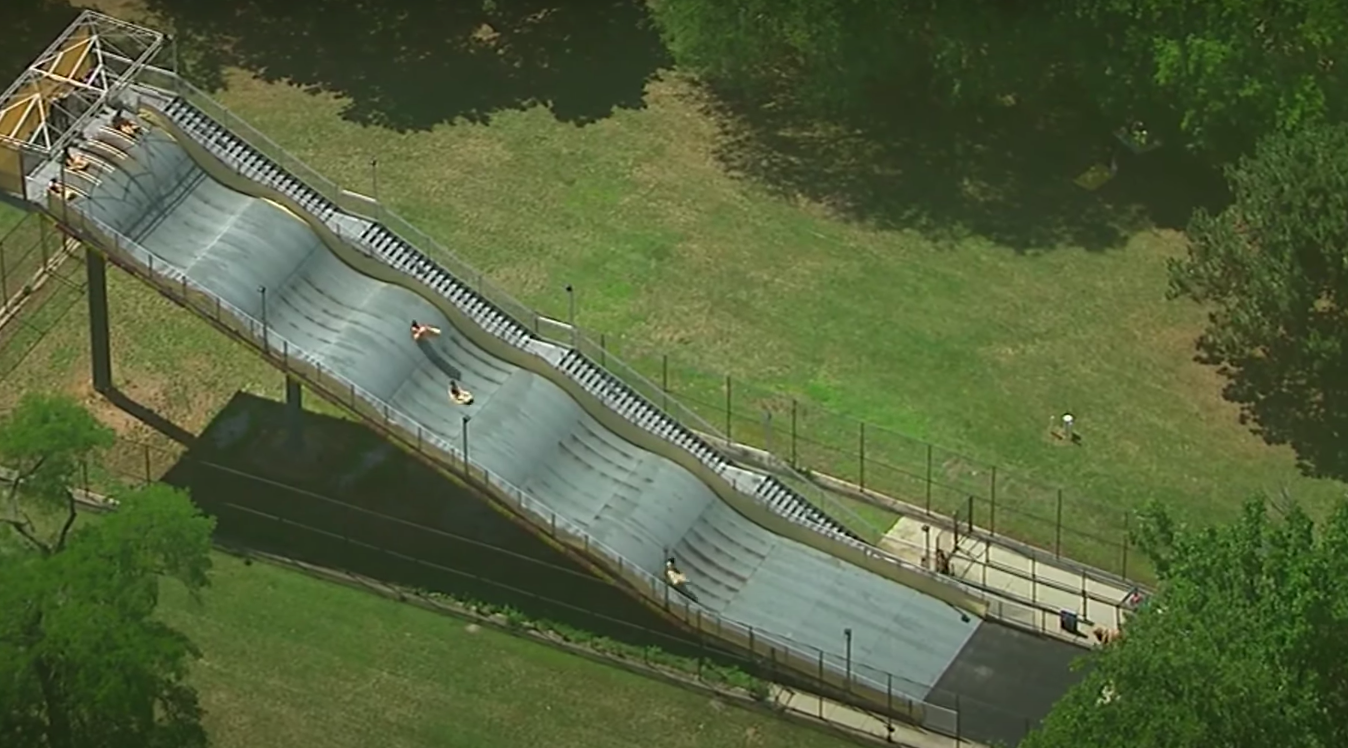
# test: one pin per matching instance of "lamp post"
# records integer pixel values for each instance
(571, 312)
(847, 635)
(466, 419)
(262, 291)
(926, 546)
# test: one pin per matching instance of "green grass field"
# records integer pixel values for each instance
(292, 661)
(970, 345)
(963, 341)
(941, 335)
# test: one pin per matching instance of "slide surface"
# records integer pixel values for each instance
(523, 426)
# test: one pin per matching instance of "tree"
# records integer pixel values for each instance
(1215, 75)
(1242, 645)
(84, 662)
(46, 441)
(1273, 267)
(1222, 74)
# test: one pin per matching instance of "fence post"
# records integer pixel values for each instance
(992, 497)
(928, 477)
(42, 241)
(793, 434)
(145, 449)
(1057, 541)
(861, 457)
(727, 407)
(821, 684)
(4, 279)
(603, 349)
(958, 736)
(1126, 540)
(664, 382)
(889, 701)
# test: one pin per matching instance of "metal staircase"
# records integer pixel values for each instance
(233, 150)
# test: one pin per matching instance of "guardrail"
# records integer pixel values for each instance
(546, 329)
(854, 682)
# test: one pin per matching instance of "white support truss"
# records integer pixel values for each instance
(94, 58)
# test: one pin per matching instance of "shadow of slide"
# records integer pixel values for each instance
(410, 65)
(350, 501)
(151, 418)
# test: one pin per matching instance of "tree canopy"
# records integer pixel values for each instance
(47, 440)
(83, 659)
(1242, 645)
(1273, 267)
(1218, 75)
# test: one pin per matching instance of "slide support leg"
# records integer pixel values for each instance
(100, 340)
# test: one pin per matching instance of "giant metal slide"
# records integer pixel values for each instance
(552, 439)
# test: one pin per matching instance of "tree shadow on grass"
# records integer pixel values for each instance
(1288, 401)
(1000, 173)
(29, 26)
(411, 65)
(348, 500)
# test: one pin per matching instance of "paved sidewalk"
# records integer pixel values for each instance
(898, 733)
(1038, 590)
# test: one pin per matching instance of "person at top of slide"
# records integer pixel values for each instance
(124, 125)
(420, 331)
(75, 161)
(58, 190)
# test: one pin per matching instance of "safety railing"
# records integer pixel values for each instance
(855, 682)
(544, 328)
(1005, 606)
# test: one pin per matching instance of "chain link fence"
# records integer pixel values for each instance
(875, 459)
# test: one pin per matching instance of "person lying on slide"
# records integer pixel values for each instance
(420, 331)
(65, 193)
(676, 578)
(76, 161)
(125, 126)
(459, 395)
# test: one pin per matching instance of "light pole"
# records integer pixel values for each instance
(571, 312)
(466, 419)
(847, 634)
(926, 546)
(262, 291)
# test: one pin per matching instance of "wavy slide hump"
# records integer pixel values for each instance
(525, 428)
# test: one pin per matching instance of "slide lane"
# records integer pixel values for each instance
(524, 427)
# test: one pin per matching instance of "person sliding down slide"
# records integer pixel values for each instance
(459, 395)
(420, 331)
(677, 579)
